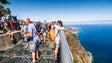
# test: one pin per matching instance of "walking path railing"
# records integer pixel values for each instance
(65, 53)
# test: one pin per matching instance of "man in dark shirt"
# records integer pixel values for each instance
(38, 27)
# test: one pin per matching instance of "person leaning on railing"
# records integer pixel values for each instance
(8, 31)
(54, 35)
(58, 28)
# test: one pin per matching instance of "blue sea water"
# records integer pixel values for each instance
(98, 40)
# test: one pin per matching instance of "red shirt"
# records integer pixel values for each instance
(11, 23)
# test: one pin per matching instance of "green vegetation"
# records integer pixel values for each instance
(4, 11)
(77, 51)
(4, 2)
(70, 39)
(75, 60)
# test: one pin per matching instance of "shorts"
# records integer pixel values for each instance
(57, 42)
(25, 40)
(33, 46)
(52, 45)
(34, 39)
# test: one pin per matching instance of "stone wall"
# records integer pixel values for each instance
(5, 41)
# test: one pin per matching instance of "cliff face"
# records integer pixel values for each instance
(80, 55)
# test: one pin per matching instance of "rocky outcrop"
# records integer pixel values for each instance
(80, 55)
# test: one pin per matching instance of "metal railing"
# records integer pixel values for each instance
(65, 53)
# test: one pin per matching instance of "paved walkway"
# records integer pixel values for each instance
(18, 54)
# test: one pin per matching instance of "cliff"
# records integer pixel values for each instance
(80, 55)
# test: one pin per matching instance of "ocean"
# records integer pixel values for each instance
(97, 39)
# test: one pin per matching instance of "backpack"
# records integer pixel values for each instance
(52, 35)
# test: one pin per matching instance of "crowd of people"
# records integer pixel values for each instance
(8, 25)
(34, 33)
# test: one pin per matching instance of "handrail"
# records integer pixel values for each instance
(65, 53)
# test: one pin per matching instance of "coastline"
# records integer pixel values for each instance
(89, 53)
(91, 57)
(82, 55)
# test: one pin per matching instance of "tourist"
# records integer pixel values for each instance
(32, 34)
(24, 33)
(47, 27)
(44, 28)
(11, 25)
(58, 29)
(17, 25)
(39, 29)
(15, 18)
(45, 22)
(9, 33)
(54, 22)
(3, 19)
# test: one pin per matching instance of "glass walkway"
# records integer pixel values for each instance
(18, 54)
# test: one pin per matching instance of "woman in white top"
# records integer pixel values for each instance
(58, 28)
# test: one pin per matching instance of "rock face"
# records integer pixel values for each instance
(80, 55)
(5, 41)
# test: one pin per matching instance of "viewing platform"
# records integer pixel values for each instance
(13, 52)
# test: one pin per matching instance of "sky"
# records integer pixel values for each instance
(65, 10)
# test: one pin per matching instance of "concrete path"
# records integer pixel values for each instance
(18, 54)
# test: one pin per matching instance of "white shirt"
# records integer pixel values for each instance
(3, 19)
(57, 32)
